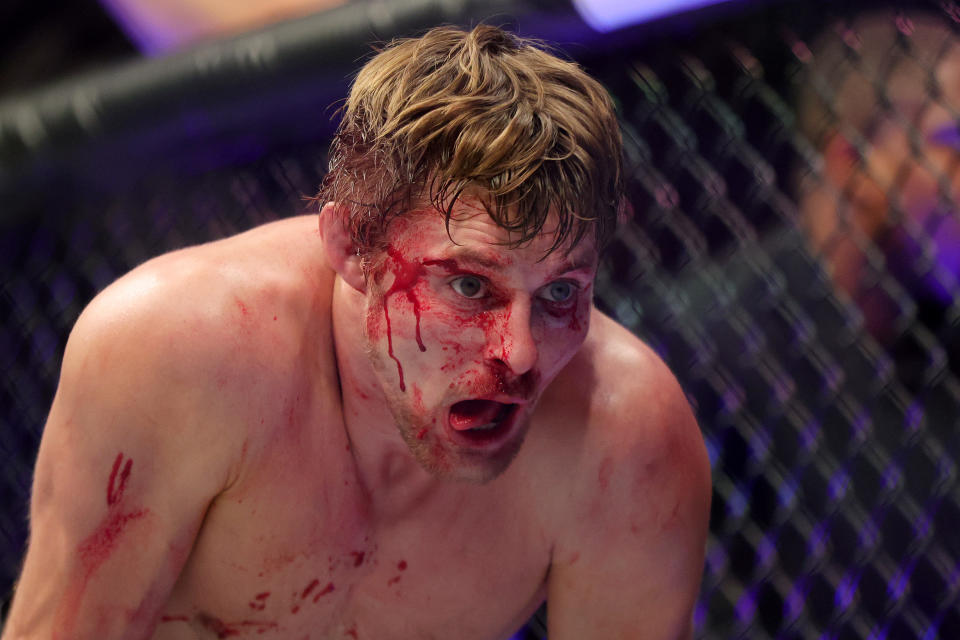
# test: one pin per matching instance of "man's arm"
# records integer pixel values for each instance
(631, 562)
(125, 472)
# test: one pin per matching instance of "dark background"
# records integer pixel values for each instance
(45, 41)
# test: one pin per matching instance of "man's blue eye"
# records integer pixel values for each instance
(559, 291)
(469, 286)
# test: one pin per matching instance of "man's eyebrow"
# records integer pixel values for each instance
(580, 263)
(457, 259)
(452, 260)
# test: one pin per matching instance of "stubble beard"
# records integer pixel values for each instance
(425, 436)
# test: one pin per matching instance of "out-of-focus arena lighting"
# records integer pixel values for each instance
(610, 15)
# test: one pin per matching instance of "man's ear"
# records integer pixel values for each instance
(339, 247)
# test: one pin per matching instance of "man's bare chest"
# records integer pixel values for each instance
(313, 563)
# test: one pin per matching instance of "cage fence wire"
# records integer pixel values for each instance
(792, 253)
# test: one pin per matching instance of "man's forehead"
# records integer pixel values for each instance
(471, 234)
(581, 257)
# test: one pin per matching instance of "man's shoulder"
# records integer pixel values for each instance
(628, 388)
(198, 311)
(623, 428)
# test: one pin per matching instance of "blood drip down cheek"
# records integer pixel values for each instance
(402, 296)
(406, 274)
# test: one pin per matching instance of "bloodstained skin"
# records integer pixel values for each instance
(357, 557)
(96, 548)
(227, 629)
(327, 589)
(406, 274)
(115, 492)
(310, 587)
(493, 323)
(174, 619)
(260, 601)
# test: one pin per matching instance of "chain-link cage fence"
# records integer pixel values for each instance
(793, 255)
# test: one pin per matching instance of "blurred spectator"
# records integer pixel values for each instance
(881, 102)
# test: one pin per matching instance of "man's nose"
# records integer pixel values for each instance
(515, 346)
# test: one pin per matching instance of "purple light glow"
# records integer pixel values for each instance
(954, 578)
(746, 608)
(610, 15)
(795, 601)
(810, 435)
(915, 417)
(878, 634)
(736, 503)
(712, 451)
(945, 233)
(816, 546)
(899, 583)
(931, 633)
(869, 535)
(892, 476)
(766, 551)
(922, 525)
(699, 615)
(846, 590)
(717, 560)
(839, 484)
(787, 493)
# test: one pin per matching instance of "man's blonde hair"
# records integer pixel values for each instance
(430, 117)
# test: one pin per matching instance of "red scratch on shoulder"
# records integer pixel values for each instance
(327, 589)
(310, 587)
(114, 489)
(97, 548)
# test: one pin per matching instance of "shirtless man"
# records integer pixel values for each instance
(303, 433)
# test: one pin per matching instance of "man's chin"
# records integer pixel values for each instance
(478, 470)
(463, 464)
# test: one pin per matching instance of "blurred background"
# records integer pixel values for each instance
(794, 253)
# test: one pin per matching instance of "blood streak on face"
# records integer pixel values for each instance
(405, 277)
(501, 322)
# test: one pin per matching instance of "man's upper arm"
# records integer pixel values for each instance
(123, 477)
(630, 565)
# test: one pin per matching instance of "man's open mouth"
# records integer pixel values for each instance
(481, 421)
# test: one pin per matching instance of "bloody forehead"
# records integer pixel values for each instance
(406, 237)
